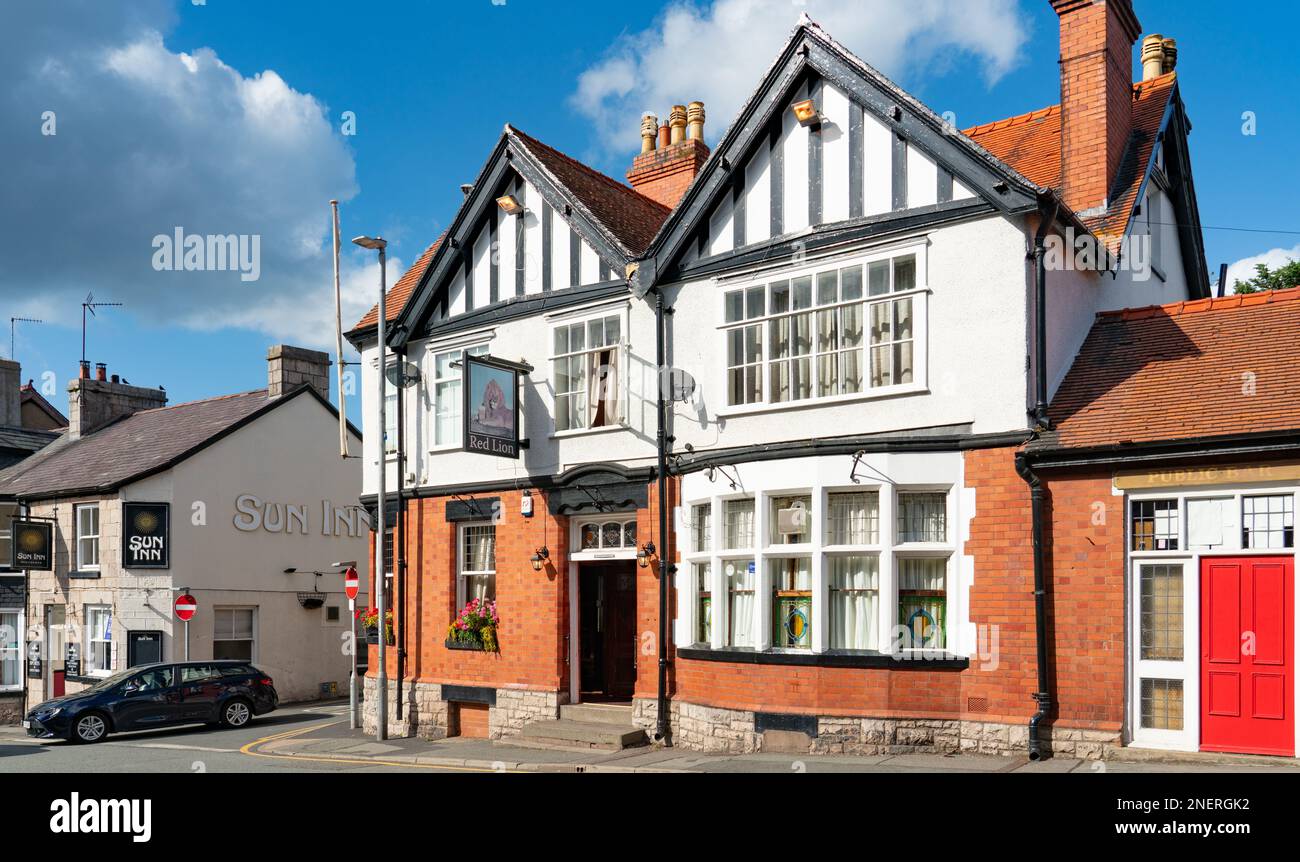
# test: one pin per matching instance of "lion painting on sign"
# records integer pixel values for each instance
(493, 413)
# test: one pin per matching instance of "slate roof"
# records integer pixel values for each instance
(1201, 368)
(129, 448)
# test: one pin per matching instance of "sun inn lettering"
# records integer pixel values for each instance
(212, 253)
(130, 816)
(252, 514)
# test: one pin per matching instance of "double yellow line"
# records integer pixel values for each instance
(250, 750)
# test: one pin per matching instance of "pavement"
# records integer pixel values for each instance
(315, 737)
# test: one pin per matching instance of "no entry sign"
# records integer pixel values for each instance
(350, 583)
(185, 607)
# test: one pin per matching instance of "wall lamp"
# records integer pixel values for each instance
(806, 113)
(644, 553)
(539, 557)
(510, 205)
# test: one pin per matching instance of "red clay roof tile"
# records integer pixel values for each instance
(1201, 368)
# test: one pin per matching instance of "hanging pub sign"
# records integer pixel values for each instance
(33, 545)
(491, 409)
(146, 535)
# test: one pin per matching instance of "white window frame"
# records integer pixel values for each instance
(1190, 557)
(623, 552)
(455, 375)
(87, 647)
(623, 350)
(256, 619)
(462, 590)
(19, 643)
(81, 566)
(886, 549)
(920, 329)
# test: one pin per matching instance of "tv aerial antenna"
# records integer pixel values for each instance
(89, 304)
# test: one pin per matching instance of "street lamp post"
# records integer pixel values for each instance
(381, 678)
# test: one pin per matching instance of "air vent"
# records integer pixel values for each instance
(977, 705)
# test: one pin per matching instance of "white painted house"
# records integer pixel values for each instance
(851, 286)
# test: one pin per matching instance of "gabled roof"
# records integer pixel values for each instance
(812, 51)
(1202, 368)
(137, 445)
(396, 298)
(631, 218)
(28, 395)
(614, 219)
(1031, 143)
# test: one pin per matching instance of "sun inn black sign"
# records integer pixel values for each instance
(146, 535)
(491, 409)
(33, 545)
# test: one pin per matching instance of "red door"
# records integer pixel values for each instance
(1247, 649)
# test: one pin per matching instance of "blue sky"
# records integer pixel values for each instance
(430, 85)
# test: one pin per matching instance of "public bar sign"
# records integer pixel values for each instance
(491, 408)
(33, 545)
(146, 535)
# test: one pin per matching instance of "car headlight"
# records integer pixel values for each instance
(50, 713)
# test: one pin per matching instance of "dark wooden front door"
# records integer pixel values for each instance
(607, 621)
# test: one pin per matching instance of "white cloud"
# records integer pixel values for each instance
(148, 139)
(718, 52)
(1244, 269)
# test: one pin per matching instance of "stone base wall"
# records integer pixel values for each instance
(516, 707)
(427, 715)
(728, 731)
(11, 708)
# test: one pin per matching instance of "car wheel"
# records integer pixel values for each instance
(236, 713)
(91, 727)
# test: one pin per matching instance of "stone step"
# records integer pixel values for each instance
(568, 733)
(599, 713)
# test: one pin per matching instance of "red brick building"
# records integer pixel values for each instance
(821, 343)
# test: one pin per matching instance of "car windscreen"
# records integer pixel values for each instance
(108, 682)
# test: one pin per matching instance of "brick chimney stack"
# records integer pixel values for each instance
(92, 404)
(1097, 38)
(671, 154)
(288, 368)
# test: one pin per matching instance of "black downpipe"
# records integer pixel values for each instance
(666, 568)
(1047, 217)
(1038, 750)
(399, 533)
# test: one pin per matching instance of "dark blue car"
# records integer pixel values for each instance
(228, 693)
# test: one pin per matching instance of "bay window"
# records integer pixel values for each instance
(822, 569)
(445, 393)
(835, 331)
(586, 365)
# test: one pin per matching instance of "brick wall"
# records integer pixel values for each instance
(1086, 613)
(1096, 40)
(533, 606)
(665, 174)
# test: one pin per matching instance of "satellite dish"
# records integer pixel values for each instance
(403, 374)
(681, 385)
